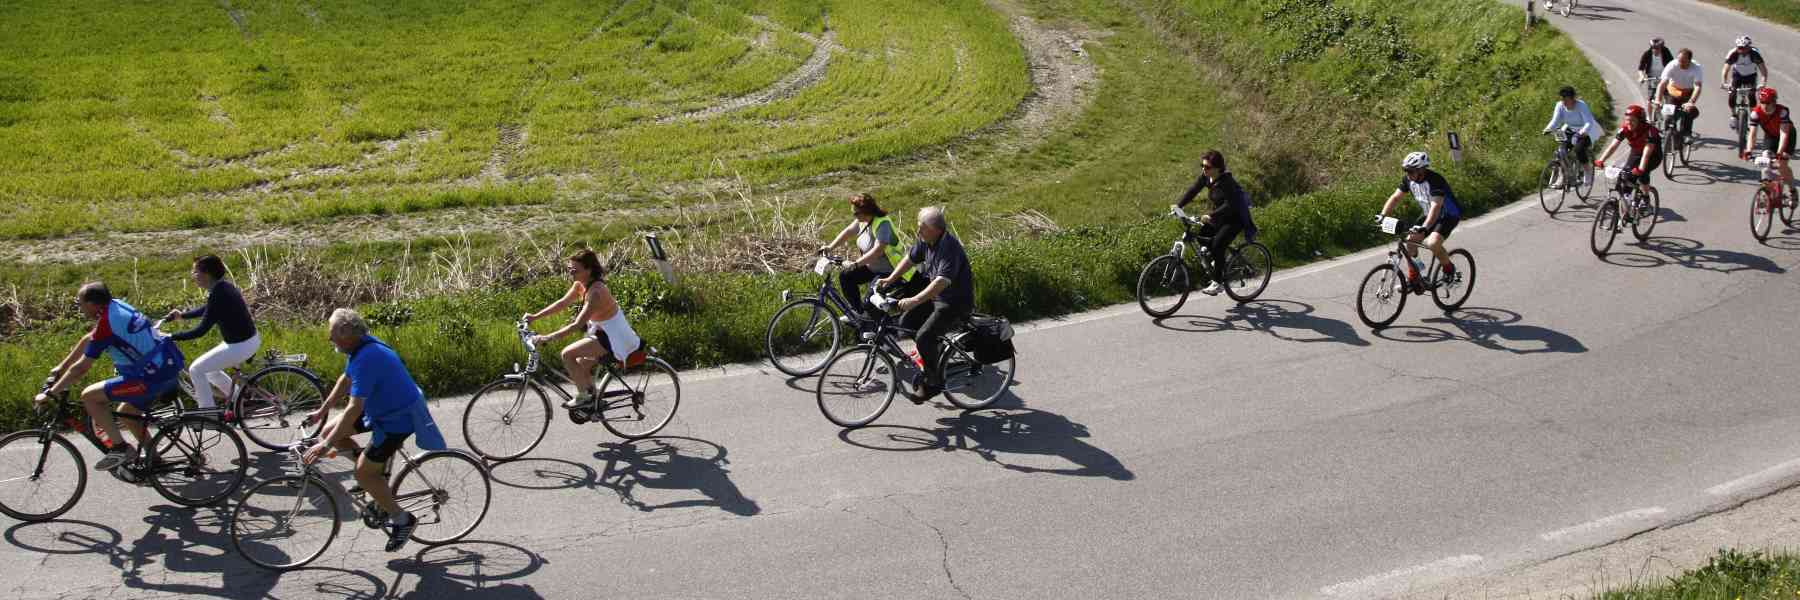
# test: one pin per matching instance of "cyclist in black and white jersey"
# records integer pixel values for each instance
(1743, 67)
(1652, 61)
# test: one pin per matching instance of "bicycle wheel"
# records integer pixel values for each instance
(1647, 216)
(1586, 177)
(1687, 150)
(857, 386)
(1606, 227)
(39, 479)
(448, 491)
(1762, 217)
(640, 402)
(801, 337)
(1671, 148)
(1163, 286)
(1568, 7)
(506, 419)
(285, 523)
(1787, 207)
(1450, 295)
(197, 461)
(1247, 272)
(1549, 198)
(272, 402)
(1382, 297)
(970, 385)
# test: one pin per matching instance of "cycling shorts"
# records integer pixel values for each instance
(139, 393)
(383, 445)
(1445, 225)
(1769, 143)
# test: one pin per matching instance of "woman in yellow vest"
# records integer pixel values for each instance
(878, 246)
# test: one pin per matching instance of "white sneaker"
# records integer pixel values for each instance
(1213, 290)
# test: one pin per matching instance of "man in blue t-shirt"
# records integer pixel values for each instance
(384, 400)
(148, 366)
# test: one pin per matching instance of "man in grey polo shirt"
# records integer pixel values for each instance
(948, 297)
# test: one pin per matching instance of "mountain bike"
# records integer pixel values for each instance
(1744, 97)
(1554, 184)
(1567, 7)
(1248, 267)
(858, 384)
(1650, 102)
(1624, 205)
(1385, 288)
(287, 522)
(191, 460)
(811, 326)
(263, 404)
(1772, 199)
(1675, 142)
(508, 418)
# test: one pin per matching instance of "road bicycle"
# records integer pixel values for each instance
(265, 404)
(1675, 142)
(287, 522)
(1555, 184)
(1385, 288)
(858, 384)
(1567, 7)
(1743, 99)
(507, 418)
(191, 460)
(1650, 102)
(808, 330)
(1623, 206)
(1166, 278)
(1772, 199)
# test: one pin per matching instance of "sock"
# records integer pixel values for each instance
(400, 519)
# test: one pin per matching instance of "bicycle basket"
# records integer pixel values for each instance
(989, 339)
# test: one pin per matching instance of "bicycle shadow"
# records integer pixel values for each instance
(194, 541)
(1490, 328)
(1716, 171)
(1270, 317)
(63, 537)
(1009, 437)
(672, 463)
(1694, 254)
(542, 474)
(467, 569)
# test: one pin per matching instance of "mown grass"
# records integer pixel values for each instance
(1728, 575)
(1785, 12)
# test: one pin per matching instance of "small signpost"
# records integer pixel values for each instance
(661, 256)
(1455, 147)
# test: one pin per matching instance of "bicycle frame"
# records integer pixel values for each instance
(541, 375)
(365, 507)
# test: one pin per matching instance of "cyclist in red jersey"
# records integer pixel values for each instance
(1777, 128)
(1646, 148)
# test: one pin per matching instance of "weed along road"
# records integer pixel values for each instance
(1274, 449)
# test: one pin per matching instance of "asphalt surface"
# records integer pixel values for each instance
(1275, 449)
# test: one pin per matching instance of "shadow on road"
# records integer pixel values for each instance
(1694, 254)
(672, 463)
(1274, 317)
(191, 541)
(63, 537)
(1008, 437)
(542, 474)
(1491, 328)
(467, 570)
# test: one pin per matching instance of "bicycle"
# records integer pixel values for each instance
(858, 384)
(191, 460)
(1558, 171)
(1675, 142)
(1624, 206)
(1568, 7)
(503, 422)
(1772, 199)
(1650, 103)
(1247, 271)
(810, 325)
(1742, 101)
(1389, 283)
(262, 403)
(449, 487)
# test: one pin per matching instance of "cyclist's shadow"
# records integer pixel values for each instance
(1271, 317)
(468, 569)
(192, 540)
(1694, 254)
(1491, 328)
(672, 463)
(998, 435)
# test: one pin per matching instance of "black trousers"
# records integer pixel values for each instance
(1582, 144)
(1222, 237)
(852, 280)
(934, 320)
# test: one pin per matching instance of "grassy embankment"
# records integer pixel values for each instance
(1785, 12)
(1729, 575)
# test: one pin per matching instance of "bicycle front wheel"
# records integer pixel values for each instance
(856, 386)
(1606, 227)
(1585, 181)
(285, 523)
(196, 461)
(1163, 286)
(1452, 292)
(1548, 196)
(641, 401)
(1382, 297)
(41, 475)
(506, 419)
(1648, 212)
(1247, 272)
(274, 400)
(447, 491)
(801, 337)
(1762, 215)
(1787, 207)
(1671, 149)
(970, 385)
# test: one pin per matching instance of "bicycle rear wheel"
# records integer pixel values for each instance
(1647, 215)
(856, 386)
(1762, 216)
(801, 337)
(1451, 293)
(1787, 207)
(1606, 227)
(1247, 272)
(1163, 286)
(197, 461)
(447, 491)
(285, 523)
(970, 385)
(506, 419)
(39, 479)
(1585, 177)
(640, 402)
(1382, 297)
(273, 400)
(1548, 197)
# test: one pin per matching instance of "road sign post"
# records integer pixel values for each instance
(661, 256)
(1455, 147)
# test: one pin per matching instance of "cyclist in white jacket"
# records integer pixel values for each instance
(1574, 113)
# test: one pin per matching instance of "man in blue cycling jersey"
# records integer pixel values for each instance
(1433, 194)
(148, 363)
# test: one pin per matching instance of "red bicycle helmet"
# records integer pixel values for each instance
(1766, 95)
(1634, 110)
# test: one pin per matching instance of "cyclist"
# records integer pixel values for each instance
(1442, 213)
(384, 401)
(1743, 65)
(1680, 86)
(1573, 112)
(1646, 148)
(1653, 60)
(225, 307)
(1776, 127)
(879, 244)
(148, 365)
(1230, 213)
(948, 297)
(607, 329)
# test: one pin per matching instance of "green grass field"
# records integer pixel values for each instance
(1728, 575)
(1786, 12)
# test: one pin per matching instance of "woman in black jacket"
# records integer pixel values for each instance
(1230, 213)
(224, 307)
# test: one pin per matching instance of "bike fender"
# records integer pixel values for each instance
(483, 464)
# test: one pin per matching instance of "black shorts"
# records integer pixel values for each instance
(379, 452)
(1769, 142)
(1445, 225)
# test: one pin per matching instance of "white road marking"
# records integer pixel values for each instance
(1764, 476)
(1360, 585)
(1603, 522)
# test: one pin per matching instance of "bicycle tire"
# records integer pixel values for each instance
(1671, 149)
(1585, 189)
(1248, 263)
(651, 392)
(192, 436)
(1452, 297)
(783, 353)
(868, 369)
(1384, 278)
(1645, 224)
(266, 405)
(1606, 227)
(1761, 216)
(251, 521)
(1687, 150)
(1167, 270)
(33, 461)
(1545, 193)
(512, 413)
(451, 468)
(989, 381)
(1787, 207)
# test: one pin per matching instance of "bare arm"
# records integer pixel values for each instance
(1437, 209)
(599, 307)
(1610, 147)
(905, 263)
(938, 285)
(874, 252)
(72, 374)
(1389, 206)
(841, 236)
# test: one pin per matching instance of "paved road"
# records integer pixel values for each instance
(1277, 449)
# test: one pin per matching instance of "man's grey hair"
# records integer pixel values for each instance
(934, 216)
(348, 322)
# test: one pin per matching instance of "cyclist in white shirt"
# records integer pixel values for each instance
(1575, 114)
(1680, 86)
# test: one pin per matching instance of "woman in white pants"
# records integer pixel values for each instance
(224, 307)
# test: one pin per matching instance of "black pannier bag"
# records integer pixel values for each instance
(989, 339)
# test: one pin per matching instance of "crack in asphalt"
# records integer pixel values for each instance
(943, 545)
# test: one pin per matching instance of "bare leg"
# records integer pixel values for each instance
(94, 400)
(138, 431)
(1435, 242)
(578, 360)
(368, 475)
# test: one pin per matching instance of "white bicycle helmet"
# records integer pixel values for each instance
(1743, 41)
(1416, 160)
